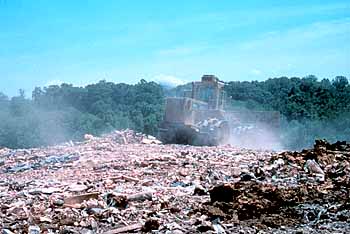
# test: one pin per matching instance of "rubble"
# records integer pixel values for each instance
(290, 189)
(120, 183)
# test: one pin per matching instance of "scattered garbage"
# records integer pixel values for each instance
(38, 163)
(291, 193)
(120, 183)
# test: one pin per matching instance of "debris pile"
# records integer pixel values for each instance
(310, 188)
(130, 137)
(128, 182)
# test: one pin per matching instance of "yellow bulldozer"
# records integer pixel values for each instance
(199, 117)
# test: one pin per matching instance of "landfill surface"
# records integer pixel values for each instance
(126, 182)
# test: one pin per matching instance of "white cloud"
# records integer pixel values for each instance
(168, 80)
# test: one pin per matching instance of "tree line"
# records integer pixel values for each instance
(56, 114)
(310, 108)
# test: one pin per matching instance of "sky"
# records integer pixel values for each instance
(46, 42)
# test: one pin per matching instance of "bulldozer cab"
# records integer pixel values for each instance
(209, 90)
(206, 96)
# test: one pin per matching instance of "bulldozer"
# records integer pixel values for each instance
(199, 116)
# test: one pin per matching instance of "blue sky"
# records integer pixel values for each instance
(46, 42)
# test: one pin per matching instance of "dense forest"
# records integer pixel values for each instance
(56, 114)
(310, 109)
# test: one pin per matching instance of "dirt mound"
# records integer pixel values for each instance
(292, 188)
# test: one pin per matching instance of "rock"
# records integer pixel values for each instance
(199, 191)
(115, 200)
(222, 193)
(58, 202)
(313, 167)
(247, 176)
(204, 228)
(150, 225)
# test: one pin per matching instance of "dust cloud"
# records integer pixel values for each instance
(257, 136)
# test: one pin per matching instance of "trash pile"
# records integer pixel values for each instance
(126, 137)
(291, 189)
(126, 182)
